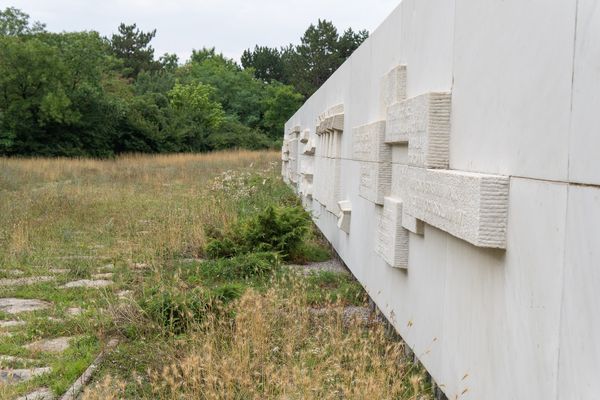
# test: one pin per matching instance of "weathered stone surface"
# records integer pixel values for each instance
(125, 294)
(59, 270)
(327, 266)
(73, 311)
(375, 156)
(21, 375)
(87, 283)
(39, 394)
(15, 306)
(25, 281)
(424, 123)
(11, 323)
(392, 238)
(55, 345)
(393, 86)
(105, 275)
(470, 206)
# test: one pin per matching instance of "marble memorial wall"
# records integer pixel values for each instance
(452, 164)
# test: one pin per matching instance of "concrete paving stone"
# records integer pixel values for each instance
(21, 374)
(106, 275)
(11, 323)
(59, 270)
(55, 345)
(73, 311)
(87, 283)
(15, 306)
(329, 266)
(38, 394)
(25, 281)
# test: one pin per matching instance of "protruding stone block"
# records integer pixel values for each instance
(470, 206)
(331, 120)
(375, 155)
(393, 86)
(392, 238)
(375, 181)
(305, 136)
(368, 143)
(344, 215)
(424, 123)
(412, 224)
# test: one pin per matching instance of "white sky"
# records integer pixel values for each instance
(229, 25)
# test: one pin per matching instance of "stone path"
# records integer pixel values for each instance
(20, 375)
(25, 281)
(88, 283)
(56, 345)
(13, 369)
(11, 323)
(16, 306)
(328, 266)
(39, 394)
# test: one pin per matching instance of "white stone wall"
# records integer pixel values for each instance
(454, 163)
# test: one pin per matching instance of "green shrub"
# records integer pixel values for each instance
(176, 310)
(276, 229)
(244, 266)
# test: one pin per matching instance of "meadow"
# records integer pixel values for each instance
(194, 255)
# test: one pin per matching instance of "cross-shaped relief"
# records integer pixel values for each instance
(470, 206)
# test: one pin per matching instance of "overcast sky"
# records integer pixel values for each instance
(229, 25)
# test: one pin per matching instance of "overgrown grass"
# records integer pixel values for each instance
(235, 325)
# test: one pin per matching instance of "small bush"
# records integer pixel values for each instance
(276, 229)
(176, 310)
(243, 266)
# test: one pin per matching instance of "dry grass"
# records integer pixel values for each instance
(156, 211)
(145, 207)
(277, 347)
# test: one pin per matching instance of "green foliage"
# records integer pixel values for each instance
(280, 104)
(275, 229)
(266, 63)
(308, 65)
(330, 287)
(80, 94)
(14, 22)
(176, 309)
(132, 46)
(244, 266)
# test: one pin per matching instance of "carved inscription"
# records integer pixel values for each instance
(392, 238)
(424, 123)
(393, 86)
(470, 206)
(375, 158)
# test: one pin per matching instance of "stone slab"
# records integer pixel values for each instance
(424, 123)
(470, 206)
(87, 283)
(392, 238)
(21, 375)
(16, 306)
(375, 181)
(39, 394)
(393, 86)
(54, 345)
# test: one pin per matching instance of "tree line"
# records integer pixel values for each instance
(82, 94)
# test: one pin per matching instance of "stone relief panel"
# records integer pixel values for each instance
(375, 156)
(392, 238)
(326, 187)
(424, 123)
(470, 206)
